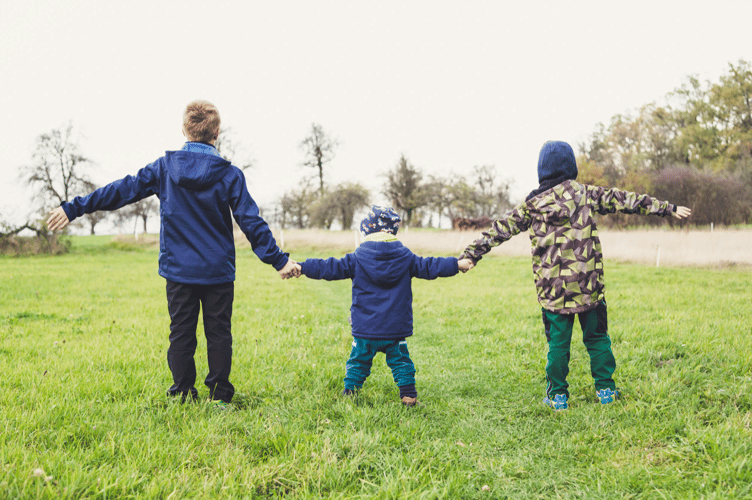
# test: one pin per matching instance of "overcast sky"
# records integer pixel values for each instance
(449, 84)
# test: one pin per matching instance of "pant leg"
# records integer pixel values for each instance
(558, 329)
(217, 310)
(598, 344)
(183, 305)
(358, 367)
(403, 369)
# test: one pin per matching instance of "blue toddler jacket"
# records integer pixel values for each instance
(382, 296)
(198, 193)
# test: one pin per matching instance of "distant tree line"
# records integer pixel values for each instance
(694, 149)
(422, 200)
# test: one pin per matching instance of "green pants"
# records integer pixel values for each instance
(597, 342)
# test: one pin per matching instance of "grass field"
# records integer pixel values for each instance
(83, 341)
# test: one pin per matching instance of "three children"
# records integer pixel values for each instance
(200, 193)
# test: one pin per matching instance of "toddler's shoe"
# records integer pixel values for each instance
(349, 392)
(606, 396)
(559, 402)
(409, 402)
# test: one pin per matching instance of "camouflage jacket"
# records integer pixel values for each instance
(567, 259)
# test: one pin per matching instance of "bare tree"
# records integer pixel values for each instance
(492, 197)
(233, 150)
(94, 218)
(318, 148)
(58, 169)
(295, 205)
(142, 209)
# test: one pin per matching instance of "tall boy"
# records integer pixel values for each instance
(381, 270)
(567, 262)
(199, 192)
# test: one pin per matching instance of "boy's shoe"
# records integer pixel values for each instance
(409, 402)
(219, 405)
(606, 396)
(559, 402)
(349, 392)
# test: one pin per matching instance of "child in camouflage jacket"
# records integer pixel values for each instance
(568, 264)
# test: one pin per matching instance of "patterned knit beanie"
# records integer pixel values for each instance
(380, 219)
(556, 161)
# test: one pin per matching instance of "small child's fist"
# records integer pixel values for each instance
(465, 265)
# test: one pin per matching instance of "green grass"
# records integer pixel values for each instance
(83, 341)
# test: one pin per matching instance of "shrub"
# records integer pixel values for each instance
(44, 242)
(717, 198)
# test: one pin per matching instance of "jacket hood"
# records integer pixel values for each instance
(385, 262)
(556, 161)
(195, 171)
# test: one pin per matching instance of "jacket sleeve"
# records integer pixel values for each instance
(329, 269)
(256, 230)
(513, 222)
(609, 201)
(117, 194)
(430, 268)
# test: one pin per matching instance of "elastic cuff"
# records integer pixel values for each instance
(408, 390)
(280, 266)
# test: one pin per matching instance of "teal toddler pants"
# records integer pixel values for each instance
(361, 359)
(594, 325)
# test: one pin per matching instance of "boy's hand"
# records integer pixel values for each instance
(682, 212)
(57, 219)
(465, 265)
(291, 269)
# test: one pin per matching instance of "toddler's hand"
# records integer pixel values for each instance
(465, 265)
(682, 212)
(291, 269)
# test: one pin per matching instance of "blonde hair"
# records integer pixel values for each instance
(201, 121)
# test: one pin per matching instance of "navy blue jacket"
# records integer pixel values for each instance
(381, 273)
(198, 195)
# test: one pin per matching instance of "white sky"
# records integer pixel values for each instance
(449, 84)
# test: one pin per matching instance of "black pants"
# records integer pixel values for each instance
(184, 302)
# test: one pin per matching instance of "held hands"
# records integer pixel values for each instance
(291, 270)
(57, 219)
(682, 212)
(465, 265)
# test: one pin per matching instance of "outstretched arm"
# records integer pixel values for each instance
(57, 219)
(612, 200)
(513, 222)
(329, 269)
(682, 212)
(430, 268)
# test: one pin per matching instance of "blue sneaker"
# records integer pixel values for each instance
(219, 405)
(606, 396)
(558, 403)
